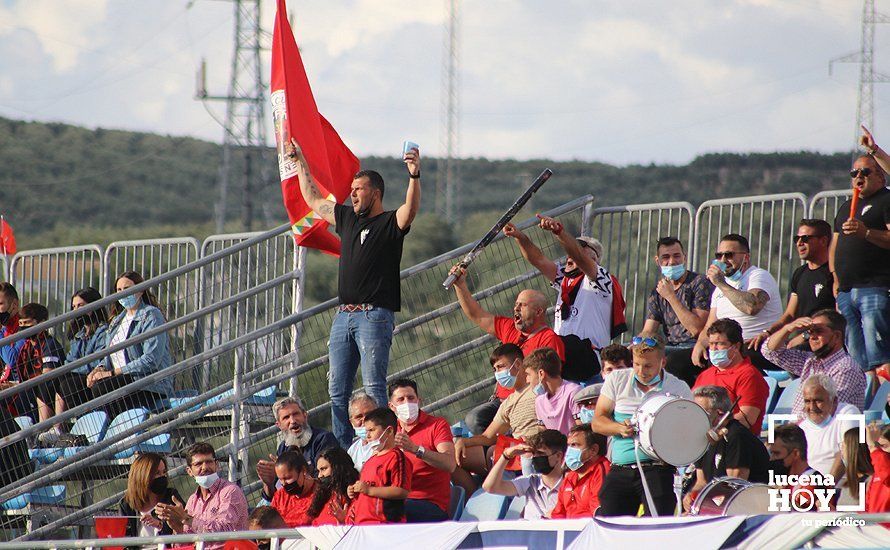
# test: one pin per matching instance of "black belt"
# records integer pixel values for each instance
(658, 464)
(353, 308)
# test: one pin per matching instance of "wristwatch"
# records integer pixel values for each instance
(420, 452)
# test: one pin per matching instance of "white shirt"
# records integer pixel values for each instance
(752, 325)
(591, 315)
(825, 442)
(360, 452)
(119, 358)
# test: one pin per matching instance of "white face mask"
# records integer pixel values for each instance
(408, 412)
(207, 481)
(375, 443)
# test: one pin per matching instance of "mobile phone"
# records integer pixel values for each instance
(408, 145)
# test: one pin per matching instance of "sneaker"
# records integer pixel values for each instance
(50, 437)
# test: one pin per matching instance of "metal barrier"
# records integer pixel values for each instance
(825, 204)
(51, 275)
(4, 268)
(629, 234)
(769, 220)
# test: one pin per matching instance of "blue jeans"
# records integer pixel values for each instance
(867, 311)
(359, 338)
(423, 511)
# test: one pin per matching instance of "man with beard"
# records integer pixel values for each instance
(292, 419)
(826, 340)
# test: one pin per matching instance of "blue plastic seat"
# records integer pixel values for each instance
(875, 411)
(786, 398)
(124, 421)
(180, 397)
(92, 426)
(460, 429)
(456, 505)
(49, 495)
(160, 443)
(779, 375)
(773, 385)
(265, 396)
(514, 511)
(483, 506)
(24, 422)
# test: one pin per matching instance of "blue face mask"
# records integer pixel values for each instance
(504, 378)
(585, 415)
(652, 382)
(719, 357)
(361, 432)
(673, 272)
(735, 277)
(824, 422)
(128, 301)
(573, 458)
(539, 389)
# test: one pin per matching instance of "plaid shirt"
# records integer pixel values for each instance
(839, 366)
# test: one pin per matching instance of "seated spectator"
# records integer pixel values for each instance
(744, 293)
(823, 429)
(586, 400)
(788, 456)
(9, 325)
(262, 518)
(133, 315)
(587, 468)
(614, 357)
(86, 335)
(516, 416)
(293, 496)
(540, 489)
(678, 306)
(858, 470)
(811, 283)
(147, 485)
(527, 328)
(292, 419)
(426, 440)
(553, 405)
(359, 405)
(877, 493)
(14, 457)
(826, 340)
(732, 370)
(217, 506)
(385, 480)
(330, 503)
(736, 453)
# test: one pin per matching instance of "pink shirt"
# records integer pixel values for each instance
(556, 411)
(225, 509)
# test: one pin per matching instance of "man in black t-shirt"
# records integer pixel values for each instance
(860, 260)
(737, 453)
(811, 283)
(368, 288)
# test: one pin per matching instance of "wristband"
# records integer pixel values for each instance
(414, 176)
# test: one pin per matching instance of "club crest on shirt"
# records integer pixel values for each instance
(364, 235)
(818, 289)
(865, 209)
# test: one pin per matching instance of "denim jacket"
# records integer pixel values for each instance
(148, 356)
(83, 345)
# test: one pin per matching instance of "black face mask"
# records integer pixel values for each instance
(778, 467)
(158, 485)
(541, 464)
(325, 481)
(573, 273)
(292, 488)
(266, 545)
(4, 317)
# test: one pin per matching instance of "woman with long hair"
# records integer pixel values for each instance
(133, 315)
(877, 492)
(148, 485)
(858, 467)
(330, 502)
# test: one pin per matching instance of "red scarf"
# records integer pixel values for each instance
(568, 291)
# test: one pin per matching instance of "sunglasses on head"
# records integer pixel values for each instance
(637, 340)
(857, 171)
(721, 255)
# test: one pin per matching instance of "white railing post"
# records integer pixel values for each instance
(299, 288)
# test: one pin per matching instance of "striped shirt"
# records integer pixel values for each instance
(518, 412)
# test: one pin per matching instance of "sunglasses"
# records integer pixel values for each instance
(727, 255)
(857, 171)
(637, 340)
(804, 238)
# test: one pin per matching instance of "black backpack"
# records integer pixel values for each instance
(581, 362)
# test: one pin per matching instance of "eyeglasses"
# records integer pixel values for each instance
(637, 340)
(857, 171)
(721, 255)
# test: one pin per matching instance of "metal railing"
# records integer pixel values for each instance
(4, 268)
(825, 204)
(51, 275)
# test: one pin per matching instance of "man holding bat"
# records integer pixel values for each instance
(368, 284)
(859, 258)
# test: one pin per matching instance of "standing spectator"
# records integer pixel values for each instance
(589, 302)
(553, 404)
(614, 357)
(147, 485)
(877, 494)
(826, 340)
(585, 458)
(623, 392)
(360, 404)
(86, 334)
(540, 489)
(330, 502)
(368, 289)
(732, 370)
(293, 497)
(217, 506)
(385, 480)
(860, 260)
(823, 428)
(133, 315)
(426, 440)
(746, 294)
(811, 283)
(678, 306)
(292, 419)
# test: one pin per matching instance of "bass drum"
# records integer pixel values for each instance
(672, 429)
(731, 496)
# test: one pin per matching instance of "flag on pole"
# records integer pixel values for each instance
(7, 238)
(296, 115)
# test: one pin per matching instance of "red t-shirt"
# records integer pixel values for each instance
(741, 380)
(877, 494)
(390, 469)
(428, 482)
(291, 507)
(507, 333)
(326, 517)
(578, 495)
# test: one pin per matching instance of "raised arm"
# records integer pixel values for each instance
(868, 142)
(749, 302)
(471, 308)
(584, 262)
(531, 253)
(406, 213)
(311, 194)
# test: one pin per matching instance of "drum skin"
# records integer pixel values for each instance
(672, 429)
(731, 496)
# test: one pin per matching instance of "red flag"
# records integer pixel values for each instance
(296, 115)
(7, 238)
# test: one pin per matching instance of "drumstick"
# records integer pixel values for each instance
(853, 202)
(712, 433)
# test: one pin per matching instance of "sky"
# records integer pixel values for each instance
(623, 82)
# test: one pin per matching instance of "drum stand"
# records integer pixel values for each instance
(678, 488)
